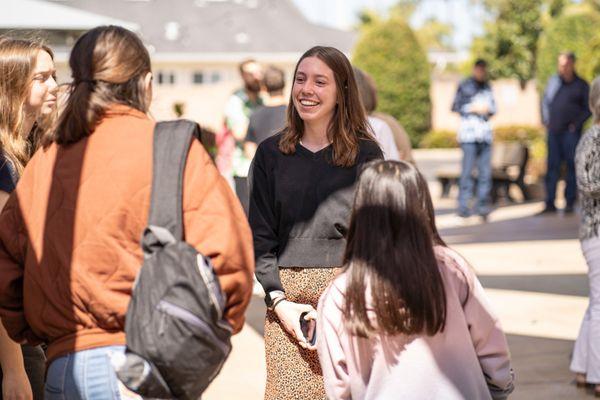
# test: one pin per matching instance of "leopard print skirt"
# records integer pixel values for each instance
(294, 372)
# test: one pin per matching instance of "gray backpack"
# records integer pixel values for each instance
(177, 338)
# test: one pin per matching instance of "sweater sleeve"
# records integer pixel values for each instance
(331, 352)
(216, 226)
(13, 243)
(585, 112)
(587, 164)
(263, 221)
(487, 335)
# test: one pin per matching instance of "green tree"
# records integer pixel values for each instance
(389, 51)
(572, 31)
(510, 41)
(435, 35)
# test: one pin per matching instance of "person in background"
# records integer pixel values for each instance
(406, 319)
(381, 122)
(269, 119)
(79, 211)
(231, 158)
(28, 95)
(564, 111)
(302, 183)
(586, 354)
(380, 129)
(475, 103)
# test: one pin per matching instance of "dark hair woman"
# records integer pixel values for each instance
(301, 191)
(80, 209)
(407, 310)
(27, 101)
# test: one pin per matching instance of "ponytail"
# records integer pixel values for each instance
(109, 64)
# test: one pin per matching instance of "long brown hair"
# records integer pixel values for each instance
(108, 65)
(390, 249)
(18, 59)
(349, 122)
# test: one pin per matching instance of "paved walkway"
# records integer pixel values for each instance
(535, 277)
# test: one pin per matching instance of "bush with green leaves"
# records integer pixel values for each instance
(518, 133)
(389, 51)
(439, 139)
(576, 32)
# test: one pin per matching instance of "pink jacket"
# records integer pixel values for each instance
(468, 360)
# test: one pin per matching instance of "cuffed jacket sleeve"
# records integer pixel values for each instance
(587, 163)
(215, 225)
(13, 245)
(460, 103)
(552, 87)
(584, 107)
(487, 335)
(332, 354)
(264, 223)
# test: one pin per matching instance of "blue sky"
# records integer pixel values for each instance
(462, 14)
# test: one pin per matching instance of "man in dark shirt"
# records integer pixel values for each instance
(269, 119)
(564, 111)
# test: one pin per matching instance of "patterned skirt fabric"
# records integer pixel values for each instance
(294, 372)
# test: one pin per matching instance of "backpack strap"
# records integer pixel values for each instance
(171, 145)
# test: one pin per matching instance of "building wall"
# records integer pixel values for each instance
(205, 102)
(515, 106)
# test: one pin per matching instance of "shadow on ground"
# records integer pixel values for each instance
(542, 369)
(568, 284)
(529, 228)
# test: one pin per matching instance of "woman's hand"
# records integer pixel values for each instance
(16, 386)
(289, 315)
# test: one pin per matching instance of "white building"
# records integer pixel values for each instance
(195, 45)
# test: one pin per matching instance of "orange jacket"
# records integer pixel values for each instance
(70, 235)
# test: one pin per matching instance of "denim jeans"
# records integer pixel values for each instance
(83, 375)
(561, 148)
(475, 154)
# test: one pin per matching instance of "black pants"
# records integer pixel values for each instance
(35, 366)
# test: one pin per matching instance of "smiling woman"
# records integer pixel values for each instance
(27, 96)
(301, 188)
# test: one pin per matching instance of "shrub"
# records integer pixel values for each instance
(518, 133)
(388, 50)
(534, 137)
(439, 139)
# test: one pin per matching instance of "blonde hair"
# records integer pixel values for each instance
(17, 62)
(595, 99)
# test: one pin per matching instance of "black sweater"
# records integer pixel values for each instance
(300, 207)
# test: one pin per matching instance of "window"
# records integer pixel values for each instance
(198, 78)
(165, 78)
(215, 77)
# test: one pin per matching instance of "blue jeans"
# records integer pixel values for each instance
(83, 375)
(561, 148)
(476, 154)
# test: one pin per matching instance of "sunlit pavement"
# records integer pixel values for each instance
(534, 274)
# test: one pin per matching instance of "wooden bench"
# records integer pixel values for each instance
(509, 161)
